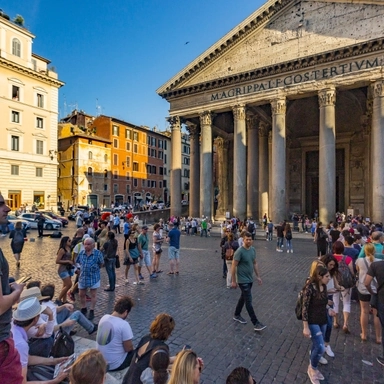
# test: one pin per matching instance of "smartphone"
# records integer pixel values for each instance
(187, 346)
(23, 279)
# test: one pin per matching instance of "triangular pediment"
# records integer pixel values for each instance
(15, 130)
(283, 31)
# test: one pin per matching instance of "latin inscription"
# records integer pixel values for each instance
(319, 74)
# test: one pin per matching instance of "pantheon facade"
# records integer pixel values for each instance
(292, 101)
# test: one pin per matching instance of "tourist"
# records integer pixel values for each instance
(315, 303)
(288, 237)
(157, 250)
(145, 255)
(90, 261)
(320, 239)
(174, 249)
(66, 268)
(231, 245)
(114, 336)
(132, 257)
(280, 237)
(362, 266)
(157, 372)
(187, 368)
(89, 368)
(17, 235)
(40, 224)
(240, 375)
(243, 265)
(109, 250)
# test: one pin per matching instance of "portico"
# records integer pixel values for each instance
(322, 109)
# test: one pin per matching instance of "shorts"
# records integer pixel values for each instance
(129, 262)
(363, 297)
(10, 365)
(173, 253)
(66, 274)
(146, 260)
(158, 251)
(95, 286)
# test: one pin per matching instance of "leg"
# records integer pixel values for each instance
(136, 270)
(229, 276)
(380, 314)
(155, 264)
(346, 308)
(126, 272)
(171, 256)
(240, 303)
(67, 284)
(364, 316)
(317, 336)
(93, 299)
(177, 261)
(225, 268)
(82, 321)
(336, 303)
(82, 298)
(376, 322)
(247, 294)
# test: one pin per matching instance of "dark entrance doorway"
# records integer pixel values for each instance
(312, 181)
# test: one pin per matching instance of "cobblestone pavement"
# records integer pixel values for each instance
(203, 309)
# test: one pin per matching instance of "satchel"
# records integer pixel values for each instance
(63, 346)
(117, 261)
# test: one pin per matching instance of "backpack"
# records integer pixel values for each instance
(229, 253)
(63, 345)
(251, 227)
(345, 278)
(56, 235)
(270, 226)
(299, 304)
(18, 237)
(288, 235)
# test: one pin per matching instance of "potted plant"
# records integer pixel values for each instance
(19, 20)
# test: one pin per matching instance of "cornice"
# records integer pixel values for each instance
(31, 73)
(351, 51)
(241, 31)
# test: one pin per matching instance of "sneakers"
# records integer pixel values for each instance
(259, 326)
(240, 319)
(312, 374)
(323, 360)
(84, 311)
(329, 351)
(141, 276)
(95, 327)
(287, 250)
(126, 280)
(91, 315)
(153, 275)
(380, 360)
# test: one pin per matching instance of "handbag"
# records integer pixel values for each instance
(117, 261)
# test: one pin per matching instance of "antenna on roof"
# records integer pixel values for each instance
(98, 108)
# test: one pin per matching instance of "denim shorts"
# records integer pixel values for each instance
(95, 286)
(146, 260)
(173, 253)
(65, 274)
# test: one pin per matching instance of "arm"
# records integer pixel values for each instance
(350, 266)
(235, 263)
(367, 283)
(306, 301)
(37, 360)
(128, 345)
(60, 254)
(6, 301)
(139, 248)
(257, 273)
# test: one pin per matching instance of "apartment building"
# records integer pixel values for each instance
(28, 121)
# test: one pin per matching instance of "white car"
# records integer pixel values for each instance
(49, 223)
(14, 219)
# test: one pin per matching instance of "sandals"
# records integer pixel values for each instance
(346, 330)
(170, 273)
(176, 273)
(159, 271)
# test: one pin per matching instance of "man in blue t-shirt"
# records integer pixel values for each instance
(174, 249)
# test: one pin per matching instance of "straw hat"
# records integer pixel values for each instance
(28, 309)
(32, 292)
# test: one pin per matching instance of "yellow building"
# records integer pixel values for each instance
(28, 121)
(84, 164)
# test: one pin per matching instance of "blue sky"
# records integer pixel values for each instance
(116, 53)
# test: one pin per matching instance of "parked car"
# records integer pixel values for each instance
(14, 219)
(63, 220)
(49, 224)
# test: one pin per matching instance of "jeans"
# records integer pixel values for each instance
(327, 335)
(225, 268)
(270, 235)
(280, 241)
(40, 230)
(289, 245)
(318, 348)
(380, 315)
(65, 314)
(203, 231)
(246, 298)
(111, 272)
(41, 346)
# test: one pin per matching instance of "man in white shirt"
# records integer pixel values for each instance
(114, 336)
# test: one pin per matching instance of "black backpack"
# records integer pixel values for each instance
(63, 346)
(345, 277)
(251, 227)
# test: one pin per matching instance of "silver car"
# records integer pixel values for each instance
(14, 219)
(49, 223)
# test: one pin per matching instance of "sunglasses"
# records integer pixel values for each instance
(2, 203)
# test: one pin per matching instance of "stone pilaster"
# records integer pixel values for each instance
(194, 141)
(239, 162)
(278, 192)
(222, 165)
(252, 167)
(377, 154)
(263, 169)
(206, 174)
(175, 124)
(327, 155)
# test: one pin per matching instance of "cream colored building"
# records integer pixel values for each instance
(28, 121)
(292, 99)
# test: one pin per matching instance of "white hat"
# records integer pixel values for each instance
(28, 309)
(32, 292)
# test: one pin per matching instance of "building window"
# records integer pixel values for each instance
(135, 182)
(128, 160)
(153, 153)
(135, 148)
(153, 184)
(135, 136)
(115, 130)
(39, 122)
(90, 187)
(161, 170)
(164, 183)
(15, 143)
(128, 176)
(16, 47)
(161, 154)
(128, 133)
(115, 174)
(115, 159)
(15, 117)
(165, 158)
(89, 171)
(14, 170)
(143, 183)
(105, 158)
(115, 143)
(115, 188)
(128, 146)
(160, 184)
(105, 173)
(90, 155)
(186, 161)
(149, 151)
(105, 187)
(39, 147)
(15, 93)
(153, 141)
(40, 100)
(128, 188)
(154, 170)
(135, 167)
(39, 172)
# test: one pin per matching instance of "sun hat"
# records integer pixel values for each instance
(28, 309)
(32, 292)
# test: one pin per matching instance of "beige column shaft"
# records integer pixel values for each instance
(327, 156)
(239, 162)
(377, 157)
(175, 165)
(252, 167)
(194, 177)
(206, 184)
(278, 211)
(263, 170)
(222, 173)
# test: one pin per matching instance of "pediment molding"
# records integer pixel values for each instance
(41, 135)
(15, 130)
(306, 62)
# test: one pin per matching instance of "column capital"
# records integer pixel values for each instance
(263, 129)
(251, 120)
(205, 118)
(174, 122)
(327, 97)
(239, 111)
(192, 128)
(279, 106)
(378, 88)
